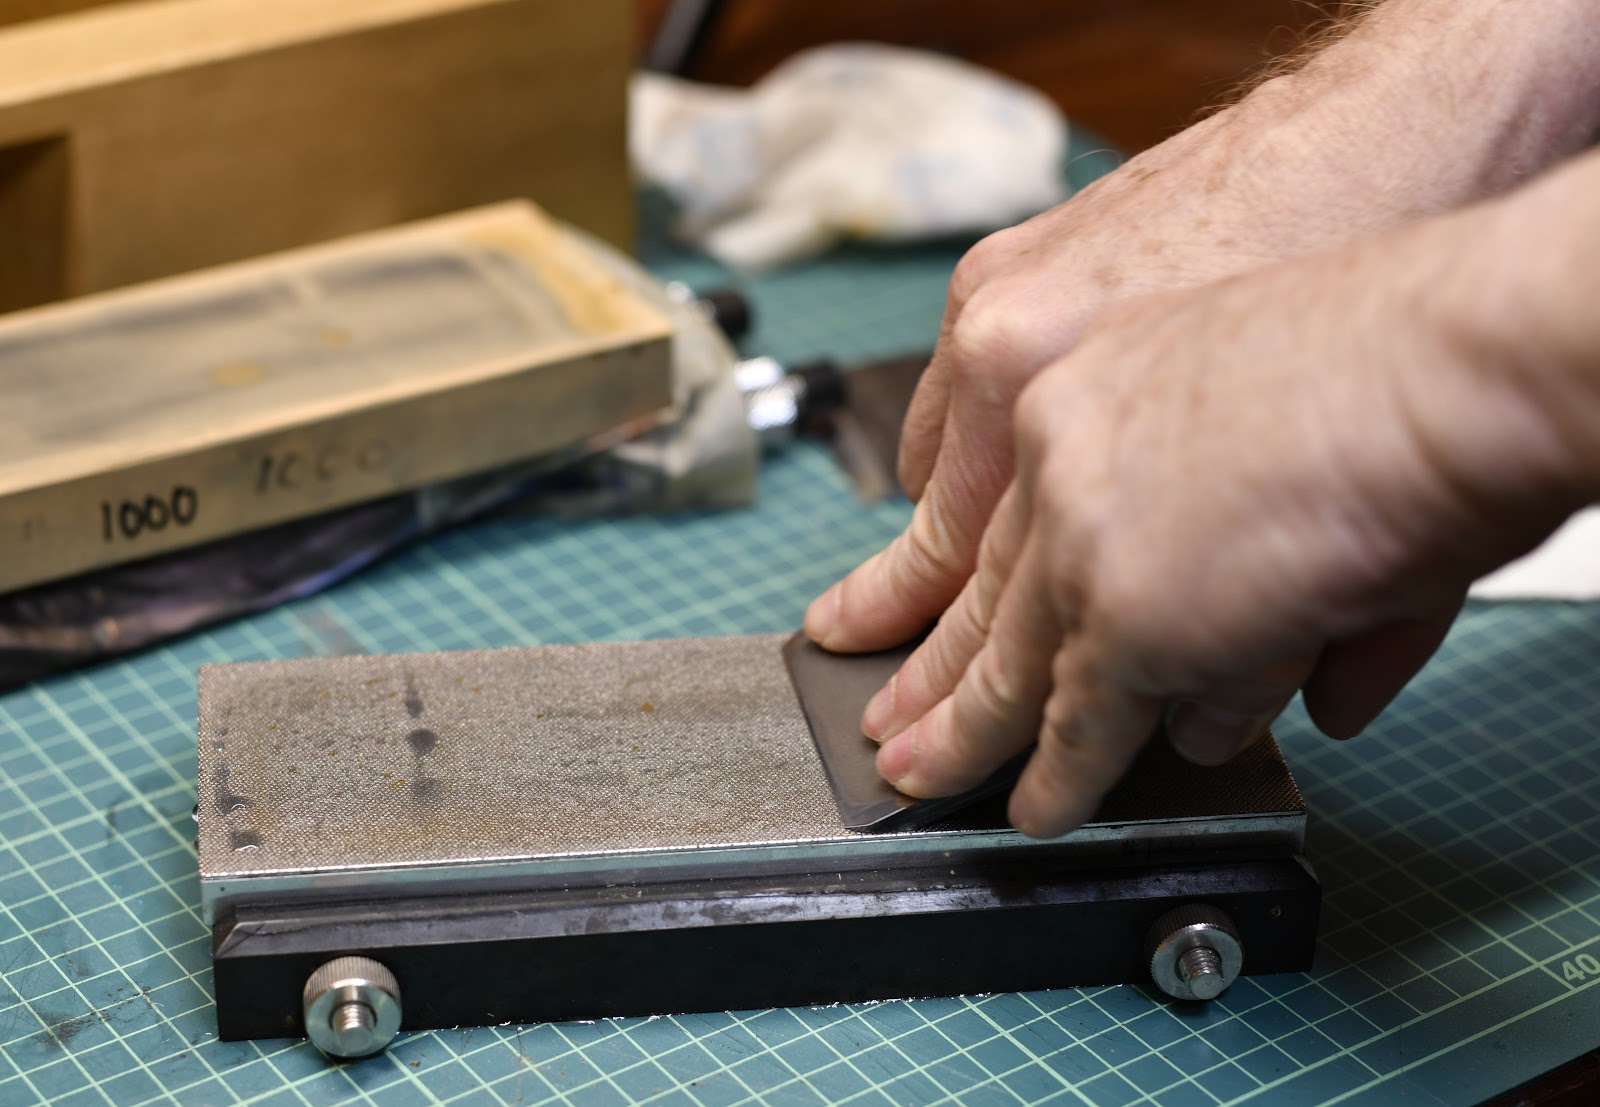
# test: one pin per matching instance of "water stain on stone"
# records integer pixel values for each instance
(244, 841)
(413, 700)
(429, 790)
(422, 741)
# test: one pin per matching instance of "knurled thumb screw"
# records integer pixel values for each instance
(1194, 952)
(351, 1007)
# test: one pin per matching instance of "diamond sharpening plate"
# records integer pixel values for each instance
(603, 829)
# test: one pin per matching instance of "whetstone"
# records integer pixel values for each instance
(148, 419)
(670, 755)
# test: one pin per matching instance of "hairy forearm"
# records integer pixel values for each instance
(1514, 84)
(1420, 106)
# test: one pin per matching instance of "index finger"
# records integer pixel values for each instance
(993, 713)
(923, 430)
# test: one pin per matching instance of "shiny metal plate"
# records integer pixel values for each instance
(590, 765)
(833, 690)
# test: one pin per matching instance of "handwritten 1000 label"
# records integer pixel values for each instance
(125, 520)
(129, 519)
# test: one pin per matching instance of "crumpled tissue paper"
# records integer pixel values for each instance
(847, 140)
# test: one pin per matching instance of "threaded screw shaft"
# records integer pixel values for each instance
(353, 1019)
(1201, 969)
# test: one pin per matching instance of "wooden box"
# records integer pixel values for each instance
(152, 137)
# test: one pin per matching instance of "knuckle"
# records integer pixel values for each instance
(994, 686)
(990, 339)
(914, 463)
(911, 469)
(911, 472)
(963, 628)
(1125, 597)
(931, 672)
(1077, 756)
(981, 262)
(991, 576)
(934, 552)
(1058, 730)
(920, 443)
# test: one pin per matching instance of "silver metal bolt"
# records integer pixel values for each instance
(1195, 952)
(351, 1007)
(353, 1020)
(1201, 969)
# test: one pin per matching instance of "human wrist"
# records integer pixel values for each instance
(1503, 389)
(1538, 304)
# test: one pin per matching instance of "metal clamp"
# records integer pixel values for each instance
(352, 1007)
(1195, 952)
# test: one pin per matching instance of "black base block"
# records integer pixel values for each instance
(480, 960)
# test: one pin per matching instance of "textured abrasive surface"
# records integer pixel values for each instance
(415, 758)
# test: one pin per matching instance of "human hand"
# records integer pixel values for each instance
(1429, 104)
(1283, 482)
(1197, 208)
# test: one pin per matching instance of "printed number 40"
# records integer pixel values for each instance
(1580, 968)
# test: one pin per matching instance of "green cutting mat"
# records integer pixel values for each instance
(1459, 841)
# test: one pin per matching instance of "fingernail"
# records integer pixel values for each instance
(879, 714)
(823, 613)
(1208, 735)
(894, 758)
